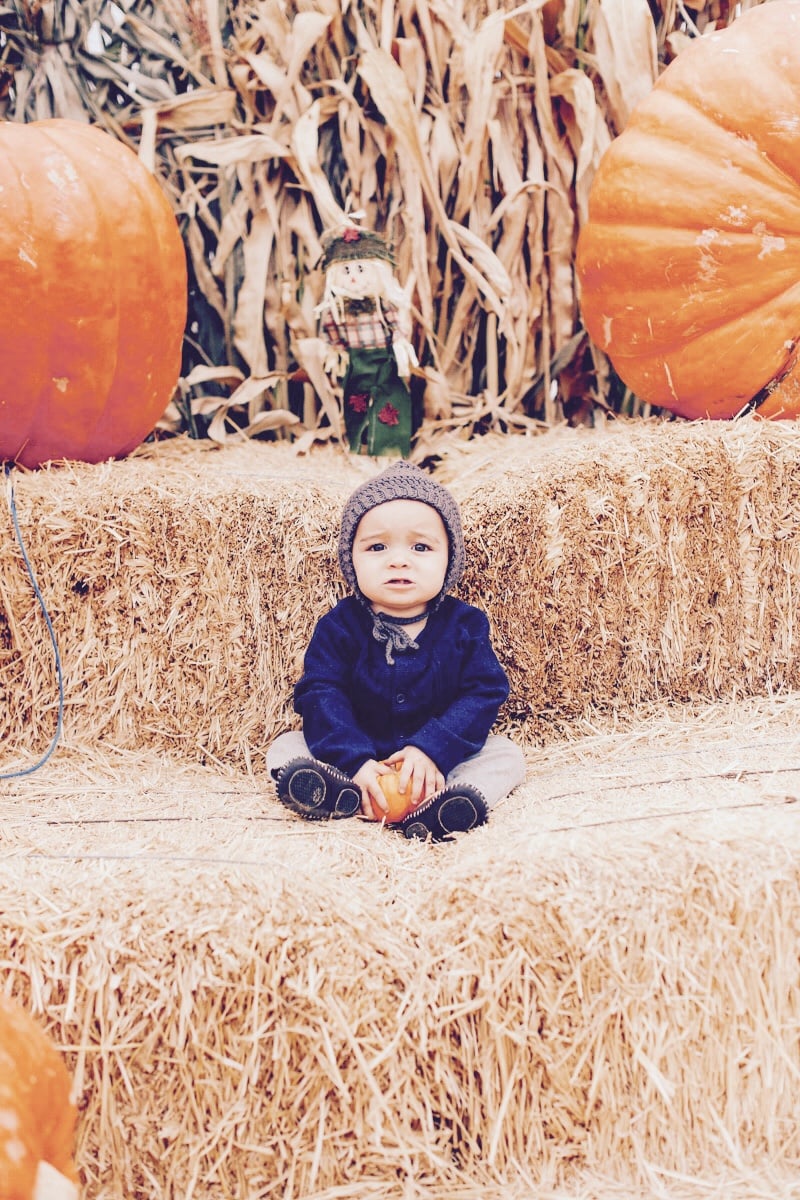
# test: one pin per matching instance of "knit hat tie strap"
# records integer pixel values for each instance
(390, 630)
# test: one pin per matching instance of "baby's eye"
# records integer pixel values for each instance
(376, 546)
(420, 547)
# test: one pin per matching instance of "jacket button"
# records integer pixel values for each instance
(401, 698)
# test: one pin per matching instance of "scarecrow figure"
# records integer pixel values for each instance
(364, 314)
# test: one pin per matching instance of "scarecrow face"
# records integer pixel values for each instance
(356, 276)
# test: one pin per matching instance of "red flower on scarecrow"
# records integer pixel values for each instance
(389, 415)
(358, 402)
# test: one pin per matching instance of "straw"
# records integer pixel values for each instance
(641, 562)
(596, 995)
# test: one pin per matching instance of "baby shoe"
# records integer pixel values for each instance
(316, 791)
(455, 810)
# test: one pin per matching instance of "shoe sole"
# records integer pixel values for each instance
(443, 815)
(317, 792)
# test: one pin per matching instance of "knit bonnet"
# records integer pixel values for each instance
(402, 481)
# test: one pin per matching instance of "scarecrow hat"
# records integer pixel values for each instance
(350, 243)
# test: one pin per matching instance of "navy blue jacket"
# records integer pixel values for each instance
(442, 698)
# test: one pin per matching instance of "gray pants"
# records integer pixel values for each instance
(495, 770)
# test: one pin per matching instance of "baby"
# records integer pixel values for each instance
(400, 675)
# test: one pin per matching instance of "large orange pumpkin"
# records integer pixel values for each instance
(37, 1116)
(689, 263)
(94, 291)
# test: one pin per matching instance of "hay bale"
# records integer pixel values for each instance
(179, 583)
(641, 562)
(252, 1005)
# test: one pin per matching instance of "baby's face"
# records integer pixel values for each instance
(358, 276)
(400, 557)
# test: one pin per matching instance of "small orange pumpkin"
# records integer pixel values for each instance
(94, 284)
(689, 262)
(399, 803)
(37, 1116)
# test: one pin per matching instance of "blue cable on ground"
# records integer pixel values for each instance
(13, 507)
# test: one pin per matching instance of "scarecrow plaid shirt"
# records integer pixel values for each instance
(363, 327)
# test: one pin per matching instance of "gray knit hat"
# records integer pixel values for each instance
(402, 481)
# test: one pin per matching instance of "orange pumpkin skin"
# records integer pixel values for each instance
(689, 262)
(37, 1116)
(399, 802)
(94, 295)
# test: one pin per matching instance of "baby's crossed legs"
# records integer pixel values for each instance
(497, 768)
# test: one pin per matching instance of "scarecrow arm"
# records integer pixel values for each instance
(405, 356)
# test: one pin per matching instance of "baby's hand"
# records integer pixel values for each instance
(419, 774)
(366, 778)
